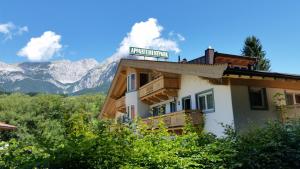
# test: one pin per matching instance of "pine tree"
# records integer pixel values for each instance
(253, 48)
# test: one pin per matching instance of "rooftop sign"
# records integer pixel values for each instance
(148, 52)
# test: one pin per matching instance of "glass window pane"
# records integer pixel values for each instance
(201, 102)
(162, 109)
(289, 97)
(256, 97)
(172, 106)
(128, 83)
(132, 82)
(297, 97)
(210, 101)
(186, 103)
(155, 111)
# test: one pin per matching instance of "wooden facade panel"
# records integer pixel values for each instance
(176, 119)
(281, 84)
(120, 104)
(160, 84)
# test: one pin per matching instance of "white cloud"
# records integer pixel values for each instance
(178, 36)
(42, 48)
(145, 34)
(21, 30)
(9, 30)
(6, 28)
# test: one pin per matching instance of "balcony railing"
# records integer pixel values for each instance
(163, 85)
(176, 120)
(120, 104)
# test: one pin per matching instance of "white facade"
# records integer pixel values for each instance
(191, 85)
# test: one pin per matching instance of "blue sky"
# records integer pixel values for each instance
(94, 29)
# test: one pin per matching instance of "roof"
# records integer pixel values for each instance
(217, 54)
(4, 126)
(261, 73)
(203, 70)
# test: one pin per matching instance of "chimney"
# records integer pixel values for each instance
(209, 55)
(184, 60)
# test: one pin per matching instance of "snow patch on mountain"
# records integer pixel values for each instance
(66, 71)
(6, 68)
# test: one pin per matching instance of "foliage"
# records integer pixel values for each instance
(253, 48)
(63, 132)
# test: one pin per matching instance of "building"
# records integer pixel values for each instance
(222, 88)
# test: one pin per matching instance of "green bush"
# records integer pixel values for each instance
(63, 132)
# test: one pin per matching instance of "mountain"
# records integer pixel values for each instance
(61, 77)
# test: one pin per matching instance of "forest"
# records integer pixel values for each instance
(56, 131)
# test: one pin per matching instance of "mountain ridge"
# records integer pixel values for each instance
(59, 77)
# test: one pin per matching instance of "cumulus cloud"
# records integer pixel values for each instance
(9, 30)
(145, 34)
(42, 48)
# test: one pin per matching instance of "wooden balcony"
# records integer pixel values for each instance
(160, 89)
(176, 120)
(120, 104)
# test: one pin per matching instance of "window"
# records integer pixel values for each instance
(159, 110)
(258, 98)
(131, 82)
(144, 79)
(186, 103)
(205, 101)
(297, 98)
(289, 98)
(172, 107)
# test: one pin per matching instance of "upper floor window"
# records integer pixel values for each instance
(292, 98)
(289, 98)
(131, 82)
(258, 98)
(144, 79)
(186, 103)
(205, 101)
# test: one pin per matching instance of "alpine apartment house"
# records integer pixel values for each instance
(221, 88)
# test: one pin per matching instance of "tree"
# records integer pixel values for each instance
(253, 48)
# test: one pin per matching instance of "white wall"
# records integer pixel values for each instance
(191, 85)
(132, 98)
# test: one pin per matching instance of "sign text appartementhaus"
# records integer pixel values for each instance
(148, 52)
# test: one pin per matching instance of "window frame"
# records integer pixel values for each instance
(182, 102)
(293, 97)
(264, 99)
(175, 106)
(158, 108)
(129, 82)
(205, 93)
